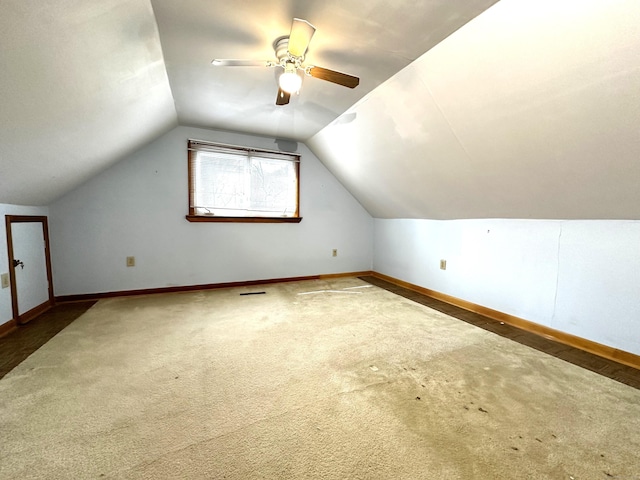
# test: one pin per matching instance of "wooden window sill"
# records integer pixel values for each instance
(207, 218)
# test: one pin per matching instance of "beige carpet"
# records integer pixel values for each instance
(317, 379)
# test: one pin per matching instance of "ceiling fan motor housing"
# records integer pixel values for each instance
(281, 47)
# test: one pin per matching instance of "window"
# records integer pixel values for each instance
(237, 184)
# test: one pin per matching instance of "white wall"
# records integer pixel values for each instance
(138, 207)
(581, 277)
(6, 313)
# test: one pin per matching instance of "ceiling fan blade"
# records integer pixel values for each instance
(283, 97)
(300, 36)
(228, 62)
(334, 77)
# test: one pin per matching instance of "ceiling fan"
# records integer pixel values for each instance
(290, 54)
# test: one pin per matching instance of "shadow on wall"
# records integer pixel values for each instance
(286, 145)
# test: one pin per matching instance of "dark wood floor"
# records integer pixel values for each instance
(608, 368)
(19, 344)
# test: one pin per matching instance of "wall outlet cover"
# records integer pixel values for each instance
(131, 261)
(4, 279)
(443, 264)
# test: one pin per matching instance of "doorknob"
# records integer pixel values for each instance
(18, 262)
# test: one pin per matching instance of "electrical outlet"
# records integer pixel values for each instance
(5, 280)
(443, 264)
(334, 252)
(131, 261)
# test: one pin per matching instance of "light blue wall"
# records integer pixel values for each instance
(578, 276)
(138, 207)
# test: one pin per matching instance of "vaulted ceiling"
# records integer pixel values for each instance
(372, 39)
(466, 108)
(532, 110)
(83, 84)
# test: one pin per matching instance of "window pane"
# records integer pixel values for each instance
(220, 182)
(273, 187)
(230, 181)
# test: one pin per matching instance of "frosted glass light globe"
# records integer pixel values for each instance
(290, 81)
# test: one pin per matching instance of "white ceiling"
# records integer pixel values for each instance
(83, 84)
(371, 39)
(530, 110)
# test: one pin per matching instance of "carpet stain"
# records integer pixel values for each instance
(431, 418)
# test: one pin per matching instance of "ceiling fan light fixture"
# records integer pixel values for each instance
(290, 81)
(291, 51)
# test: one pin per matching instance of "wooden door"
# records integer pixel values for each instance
(30, 266)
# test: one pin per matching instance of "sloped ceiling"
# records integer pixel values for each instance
(83, 84)
(372, 39)
(531, 110)
(86, 82)
(525, 108)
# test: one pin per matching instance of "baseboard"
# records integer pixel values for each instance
(208, 286)
(329, 276)
(8, 327)
(590, 346)
(34, 312)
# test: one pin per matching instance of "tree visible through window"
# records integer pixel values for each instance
(229, 183)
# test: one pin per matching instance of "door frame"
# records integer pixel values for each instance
(34, 312)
